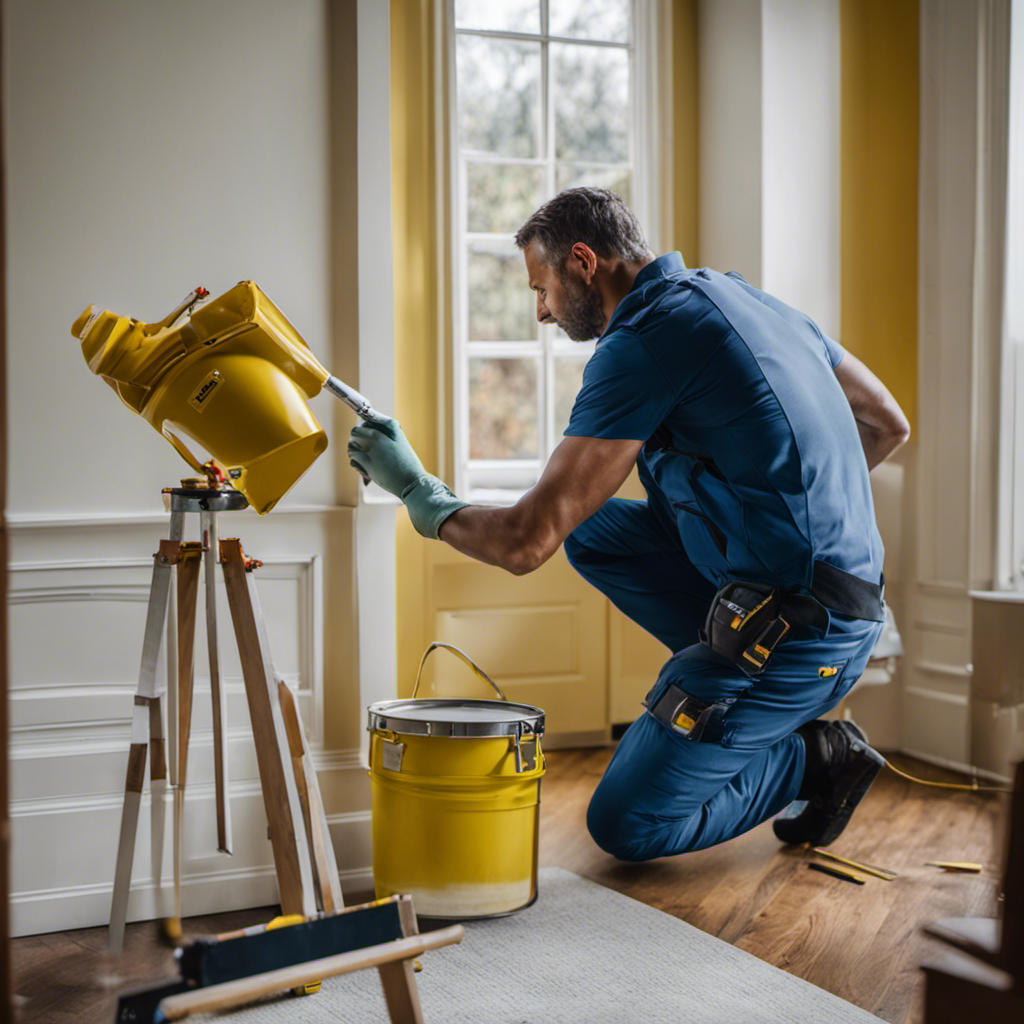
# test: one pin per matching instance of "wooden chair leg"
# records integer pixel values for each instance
(400, 992)
(399, 977)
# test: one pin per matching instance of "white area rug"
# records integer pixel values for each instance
(582, 954)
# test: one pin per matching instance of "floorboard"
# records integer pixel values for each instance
(861, 942)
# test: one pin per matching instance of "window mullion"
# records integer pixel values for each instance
(551, 179)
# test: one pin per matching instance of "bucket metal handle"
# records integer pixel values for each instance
(476, 669)
(521, 764)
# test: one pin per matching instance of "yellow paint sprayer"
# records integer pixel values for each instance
(233, 375)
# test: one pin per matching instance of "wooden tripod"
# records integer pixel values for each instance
(307, 875)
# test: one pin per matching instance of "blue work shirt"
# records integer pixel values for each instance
(752, 454)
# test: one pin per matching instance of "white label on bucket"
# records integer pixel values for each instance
(391, 756)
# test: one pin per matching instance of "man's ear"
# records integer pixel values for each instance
(586, 260)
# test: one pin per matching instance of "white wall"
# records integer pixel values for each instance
(730, 136)
(800, 144)
(152, 147)
(964, 120)
(769, 147)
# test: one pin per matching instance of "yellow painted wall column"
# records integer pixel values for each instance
(685, 131)
(879, 184)
(414, 219)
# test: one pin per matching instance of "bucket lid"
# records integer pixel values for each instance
(455, 717)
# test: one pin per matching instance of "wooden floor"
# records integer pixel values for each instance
(861, 942)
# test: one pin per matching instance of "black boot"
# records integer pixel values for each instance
(839, 771)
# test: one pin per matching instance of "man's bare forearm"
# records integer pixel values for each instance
(507, 537)
(581, 475)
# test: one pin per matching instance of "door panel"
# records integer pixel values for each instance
(542, 637)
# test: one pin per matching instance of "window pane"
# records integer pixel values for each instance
(591, 89)
(618, 179)
(590, 19)
(503, 409)
(499, 197)
(501, 305)
(568, 377)
(498, 15)
(498, 85)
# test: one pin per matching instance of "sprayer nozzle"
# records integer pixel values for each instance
(80, 328)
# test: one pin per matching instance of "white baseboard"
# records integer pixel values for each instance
(88, 906)
(957, 766)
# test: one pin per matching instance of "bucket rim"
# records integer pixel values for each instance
(387, 715)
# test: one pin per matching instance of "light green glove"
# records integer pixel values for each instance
(380, 450)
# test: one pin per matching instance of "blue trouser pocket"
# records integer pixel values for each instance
(663, 794)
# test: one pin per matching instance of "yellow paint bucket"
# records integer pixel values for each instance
(234, 376)
(456, 800)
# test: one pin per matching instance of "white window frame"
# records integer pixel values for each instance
(1009, 574)
(650, 134)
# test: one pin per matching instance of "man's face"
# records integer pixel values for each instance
(564, 299)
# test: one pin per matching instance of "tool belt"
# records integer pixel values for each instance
(747, 621)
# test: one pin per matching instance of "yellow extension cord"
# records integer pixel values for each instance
(973, 787)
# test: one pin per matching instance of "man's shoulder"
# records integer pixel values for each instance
(672, 297)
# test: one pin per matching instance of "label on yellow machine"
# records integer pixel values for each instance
(201, 399)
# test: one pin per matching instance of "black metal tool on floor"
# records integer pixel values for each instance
(231, 969)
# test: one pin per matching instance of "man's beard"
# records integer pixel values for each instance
(582, 317)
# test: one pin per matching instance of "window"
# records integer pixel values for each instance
(548, 94)
(1010, 563)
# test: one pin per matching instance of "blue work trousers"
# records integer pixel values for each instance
(663, 794)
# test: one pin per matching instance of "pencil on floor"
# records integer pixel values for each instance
(962, 866)
(846, 876)
(884, 873)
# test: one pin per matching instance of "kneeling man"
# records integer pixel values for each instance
(755, 557)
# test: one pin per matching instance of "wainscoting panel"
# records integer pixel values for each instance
(77, 607)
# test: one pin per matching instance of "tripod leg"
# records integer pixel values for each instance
(159, 592)
(190, 558)
(325, 868)
(208, 530)
(280, 796)
(157, 795)
(177, 532)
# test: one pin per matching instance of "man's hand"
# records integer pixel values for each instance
(380, 450)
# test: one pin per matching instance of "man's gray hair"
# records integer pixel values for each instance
(595, 216)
